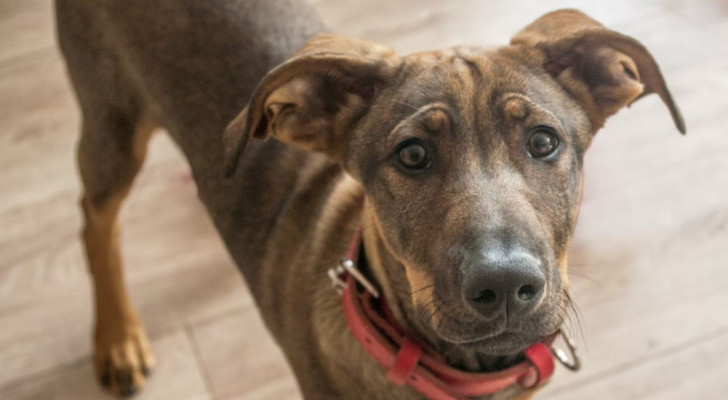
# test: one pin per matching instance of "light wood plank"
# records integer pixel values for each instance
(242, 360)
(412, 25)
(176, 377)
(688, 372)
(27, 28)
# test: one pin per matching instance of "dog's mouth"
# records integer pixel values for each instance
(472, 343)
(495, 353)
(493, 342)
(505, 343)
(485, 352)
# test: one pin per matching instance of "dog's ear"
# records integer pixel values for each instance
(313, 99)
(604, 70)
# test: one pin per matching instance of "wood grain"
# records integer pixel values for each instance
(178, 370)
(241, 365)
(649, 266)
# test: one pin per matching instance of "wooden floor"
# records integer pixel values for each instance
(649, 259)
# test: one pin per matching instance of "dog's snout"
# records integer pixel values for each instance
(509, 283)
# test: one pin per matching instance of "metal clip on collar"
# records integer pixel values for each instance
(347, 266)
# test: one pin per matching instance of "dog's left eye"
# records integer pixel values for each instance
(542, 143)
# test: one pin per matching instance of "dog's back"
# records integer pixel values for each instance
(187, 66)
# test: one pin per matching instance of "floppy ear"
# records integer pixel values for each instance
(604, 70)
(313, 99)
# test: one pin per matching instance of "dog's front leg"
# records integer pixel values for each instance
(122, 353)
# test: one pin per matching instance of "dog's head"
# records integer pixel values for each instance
(470, 159)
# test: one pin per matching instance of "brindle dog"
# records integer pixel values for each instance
(462, 167)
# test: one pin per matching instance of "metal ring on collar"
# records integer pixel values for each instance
(568, 359)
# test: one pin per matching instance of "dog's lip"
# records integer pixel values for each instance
(483, 335)
(469, 340)
(500, 341)
(504, 342)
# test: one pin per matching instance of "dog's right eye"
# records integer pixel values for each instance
(542, 143)
(413, 155)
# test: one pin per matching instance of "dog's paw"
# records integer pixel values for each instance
(123, 358)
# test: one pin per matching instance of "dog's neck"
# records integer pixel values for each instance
(390, 277)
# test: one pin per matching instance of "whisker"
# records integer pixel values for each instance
(581, 276)
(575, 316)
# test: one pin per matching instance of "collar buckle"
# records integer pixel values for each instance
(347, 267)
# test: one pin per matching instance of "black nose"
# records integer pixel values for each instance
(510, 282)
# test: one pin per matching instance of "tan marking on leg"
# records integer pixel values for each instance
(123, 355)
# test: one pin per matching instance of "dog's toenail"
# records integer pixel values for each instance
(128, 391)
(105, 379)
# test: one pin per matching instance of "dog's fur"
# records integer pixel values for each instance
(339, 109)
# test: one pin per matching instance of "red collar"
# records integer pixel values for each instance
(409, 362)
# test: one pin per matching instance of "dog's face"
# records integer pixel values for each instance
(470, 160)
(471, 163)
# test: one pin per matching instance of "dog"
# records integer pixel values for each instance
(452, 176)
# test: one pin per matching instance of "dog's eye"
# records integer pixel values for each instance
(542, 142)
(412, 154)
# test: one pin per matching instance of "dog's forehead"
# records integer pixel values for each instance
(462, 73)
(475, 83)
(485, 88)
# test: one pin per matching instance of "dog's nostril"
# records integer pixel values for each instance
(526, 293)
(486, 296)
